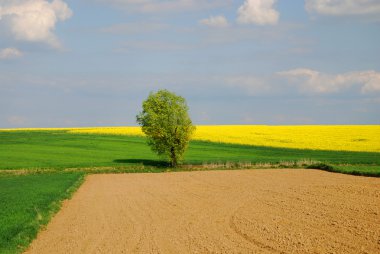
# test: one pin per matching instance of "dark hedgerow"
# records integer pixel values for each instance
(322, 166)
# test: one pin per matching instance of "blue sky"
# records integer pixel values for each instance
(92, 62)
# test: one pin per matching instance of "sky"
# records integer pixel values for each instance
(73, 63)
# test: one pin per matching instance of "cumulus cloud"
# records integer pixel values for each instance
(343, 7)
(260, 12)
(311, 81)
(215, 21)
(34, 20)
(9, 53)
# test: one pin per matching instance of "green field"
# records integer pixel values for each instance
(28, 201)
(60, 150)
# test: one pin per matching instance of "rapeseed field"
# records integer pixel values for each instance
(317, 137)
(361, 138)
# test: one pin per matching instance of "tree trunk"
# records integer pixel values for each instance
(173, 157)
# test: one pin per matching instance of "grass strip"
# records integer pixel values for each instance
(27, 203)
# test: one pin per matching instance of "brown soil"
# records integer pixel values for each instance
(246, 211)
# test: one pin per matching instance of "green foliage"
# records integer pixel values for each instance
(27, 202)
(166, 122)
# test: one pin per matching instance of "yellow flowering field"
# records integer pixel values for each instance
(135, 131)
(319, 137)
(323, 137)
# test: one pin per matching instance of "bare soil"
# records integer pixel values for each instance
(245, 211)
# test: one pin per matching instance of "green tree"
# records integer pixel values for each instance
(167, 125)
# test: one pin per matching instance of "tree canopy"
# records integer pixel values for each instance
(165, 121)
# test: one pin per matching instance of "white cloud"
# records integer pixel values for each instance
(34, 20)
(215, 21)
(311, 81)
(343, 7)
(260, 12)
(9, 53)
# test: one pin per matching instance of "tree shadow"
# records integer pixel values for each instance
(154, 163)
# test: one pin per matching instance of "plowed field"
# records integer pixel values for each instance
(249, 211)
